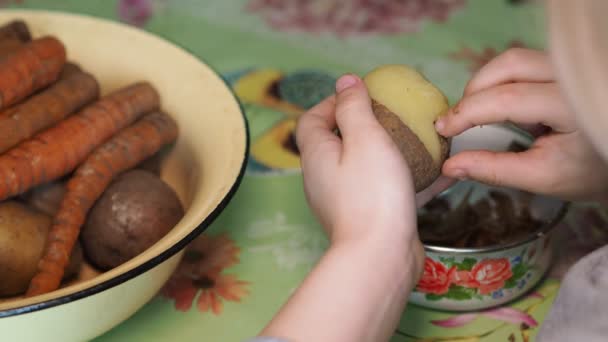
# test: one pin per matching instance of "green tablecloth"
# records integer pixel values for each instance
(267, 240)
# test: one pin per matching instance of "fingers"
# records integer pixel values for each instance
(526, 170)
(514, 65)
(519, 103)
(535, 130)
(314, 132)
(442, 183)
(354, 113)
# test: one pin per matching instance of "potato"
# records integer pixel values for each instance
(76, 260)
(407, 105)
(23, 234)
(46, 197)
(134, 212)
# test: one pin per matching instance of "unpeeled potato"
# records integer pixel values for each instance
(23, 234)
(406, 104)
(134, 212)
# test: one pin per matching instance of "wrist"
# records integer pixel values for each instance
(401, 258)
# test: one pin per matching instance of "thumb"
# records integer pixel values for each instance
(354, 114)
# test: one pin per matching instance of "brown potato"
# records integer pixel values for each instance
(76, 260)
(46, 197)
(136, 211)
(407, 105)
(23, 234)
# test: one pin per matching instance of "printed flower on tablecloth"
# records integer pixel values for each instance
(135, 12)
(4, 3)
(200, 273)
(478, 59)
(523, 315)
(350, 17)
(521, 2)
(272, 100)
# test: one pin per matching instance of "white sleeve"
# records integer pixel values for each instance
(580, 312)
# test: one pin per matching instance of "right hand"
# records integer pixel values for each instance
(519, 86)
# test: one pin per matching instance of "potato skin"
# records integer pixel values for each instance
(424, 169)
(46, 198)
(134, 212)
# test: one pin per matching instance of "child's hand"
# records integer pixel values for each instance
(361, 189)
(519, 86)
(359, 186)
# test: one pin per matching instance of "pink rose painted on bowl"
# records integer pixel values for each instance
(463, 278)
(436, 278)
(491, 274)
(470, 278)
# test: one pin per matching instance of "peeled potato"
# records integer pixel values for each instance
(407, 105)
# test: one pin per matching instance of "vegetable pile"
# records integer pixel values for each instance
(61, 147)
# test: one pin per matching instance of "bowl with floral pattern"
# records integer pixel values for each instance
(485, 256)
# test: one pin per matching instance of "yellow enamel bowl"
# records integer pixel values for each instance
(204, 167)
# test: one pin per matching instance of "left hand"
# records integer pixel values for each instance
(519, 86)
(360, 186)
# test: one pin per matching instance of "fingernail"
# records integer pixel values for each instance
(439, 125)
(459, 174)
(346, 82)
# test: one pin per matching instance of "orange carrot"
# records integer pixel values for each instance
(9, 45)
(68, 69)
(58, 150)
(12, 36)
(15, 29)
(30, 68)
(121, 153)
(46, 108)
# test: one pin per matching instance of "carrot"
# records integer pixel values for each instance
(68, 69)
(12, 36)
(9, 45)
(15, 29)
(46, 108)
(58, 150)
(30, 68)
(121, 153)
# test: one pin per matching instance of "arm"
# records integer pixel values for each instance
(361, 190)
(355, 293)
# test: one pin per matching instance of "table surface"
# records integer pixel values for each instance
(267, 240)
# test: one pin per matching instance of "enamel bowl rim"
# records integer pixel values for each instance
(193, 232)
(543, 230)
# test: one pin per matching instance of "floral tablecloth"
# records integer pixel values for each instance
(280, 57)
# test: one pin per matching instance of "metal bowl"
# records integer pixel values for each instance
(463, 279)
